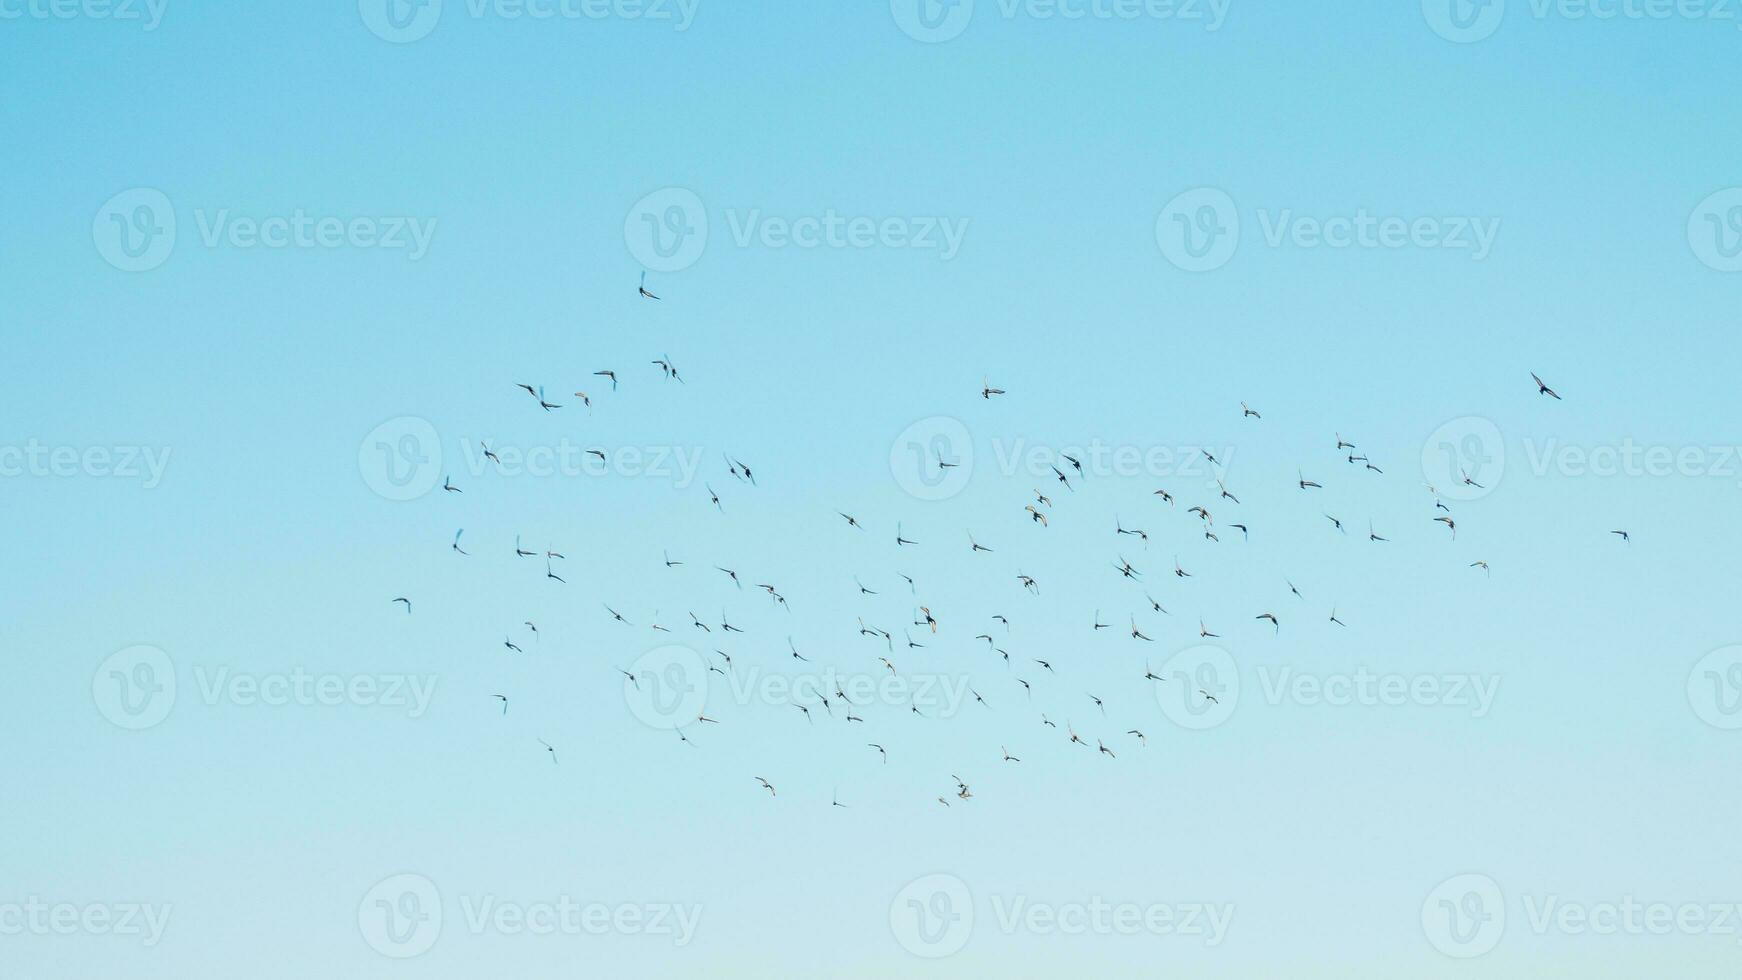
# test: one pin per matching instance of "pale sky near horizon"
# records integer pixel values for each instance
(273, 272)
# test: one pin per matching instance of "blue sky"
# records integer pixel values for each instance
(192, 457)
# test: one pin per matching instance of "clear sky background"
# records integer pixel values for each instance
(264, 547)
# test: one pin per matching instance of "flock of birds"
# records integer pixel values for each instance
(1067, 473)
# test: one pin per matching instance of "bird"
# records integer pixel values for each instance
(1136, 634)
(880, 751)
(1334, 618)
(407, 604)
(642, 289)
(1204, 631)
(1626, 538)
(1304, 482)
(549, 749)
(632, 679)
(987, 391)
(448, 485)
(1247, 413)
(1007, 756)
(1450, 524)
(899, 540)
(504, 699)
(1270, 616)
(1374, 537)
(547, 406)
(1208, 696)
(1483, 566)
(977, 546)
(456, 544)
(766, 785)
(1141, 738)
(510, 645)
(1543, 389)
(714, 498)
(607, 374)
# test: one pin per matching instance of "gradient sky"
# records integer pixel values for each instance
(256, 376)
